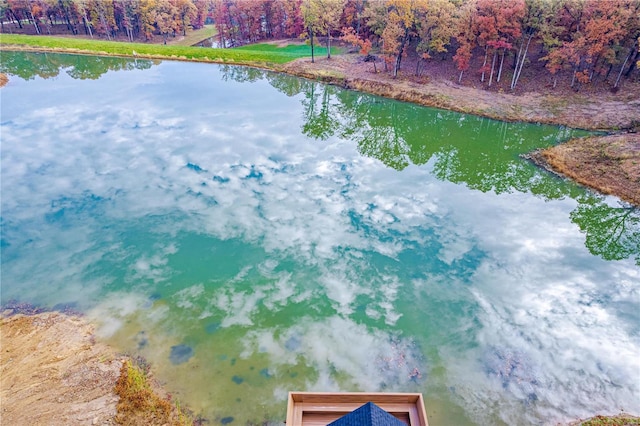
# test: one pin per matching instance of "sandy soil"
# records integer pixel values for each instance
(54, 372)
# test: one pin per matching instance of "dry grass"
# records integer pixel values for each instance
(140, 404)
(609, 164)
(3, 79)
(619, 420)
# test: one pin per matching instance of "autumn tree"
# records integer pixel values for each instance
(101, 13)
(375, 17)
(311, 18)
(293, 24)
(603, 33)
(127, 16)
(69, 11)
(247, 15)
(538, 14)
(498, 25)
(203, 9)
(353, 15)
(349, 36)
(187, 12)
(85, 13)
(435, 28)
(31, 10)
(465, 36)
(327, 15)
(400, 24)
(589, 35)
(164, 17)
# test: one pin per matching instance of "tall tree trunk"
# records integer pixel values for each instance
(311, 35)
(500, 69)
(87, 26)
(460, 77)
(16, 18)
(396, 66)
(104, 24)
(486, 52)
(624, 64)
(66, 16)
(329, 43)
(35, 22)
(514, 81)
(593, 68)
(516, 62)
(634, 61)
(493, 65)
(606, 77)
(573, 79)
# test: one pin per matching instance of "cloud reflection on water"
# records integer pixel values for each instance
(306, 253)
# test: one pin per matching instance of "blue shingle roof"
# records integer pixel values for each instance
(368, 415)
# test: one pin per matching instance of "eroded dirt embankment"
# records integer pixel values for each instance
(606, 111)
(54, 372)
(607, 164)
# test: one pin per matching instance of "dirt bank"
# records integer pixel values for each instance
(608, 164)
(54, 372)
(3, 79)
(606, 111)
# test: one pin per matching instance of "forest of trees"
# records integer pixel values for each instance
(587, 39)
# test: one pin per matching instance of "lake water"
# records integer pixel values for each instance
(250, 233)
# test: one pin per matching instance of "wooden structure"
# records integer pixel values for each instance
(321, 408)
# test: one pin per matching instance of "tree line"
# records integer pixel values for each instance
(585, 39)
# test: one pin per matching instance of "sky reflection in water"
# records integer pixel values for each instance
(252, 234)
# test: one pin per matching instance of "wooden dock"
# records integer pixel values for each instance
(321, 408)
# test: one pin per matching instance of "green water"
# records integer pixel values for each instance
(250, 233)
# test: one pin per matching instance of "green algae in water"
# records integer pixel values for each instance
(294, 236)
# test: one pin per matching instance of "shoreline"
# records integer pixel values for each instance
(609, 113)
(579, 111)
(607, 164)
(617, 115)
(54, 369)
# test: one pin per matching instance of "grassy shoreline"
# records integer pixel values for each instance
(256, 57)
(548, 109)
(613, 115)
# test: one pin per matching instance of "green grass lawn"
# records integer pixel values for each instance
(295, 50)
(195, 36)
(260, 54)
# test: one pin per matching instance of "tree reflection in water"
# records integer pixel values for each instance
(480, 153)
(29, 65)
